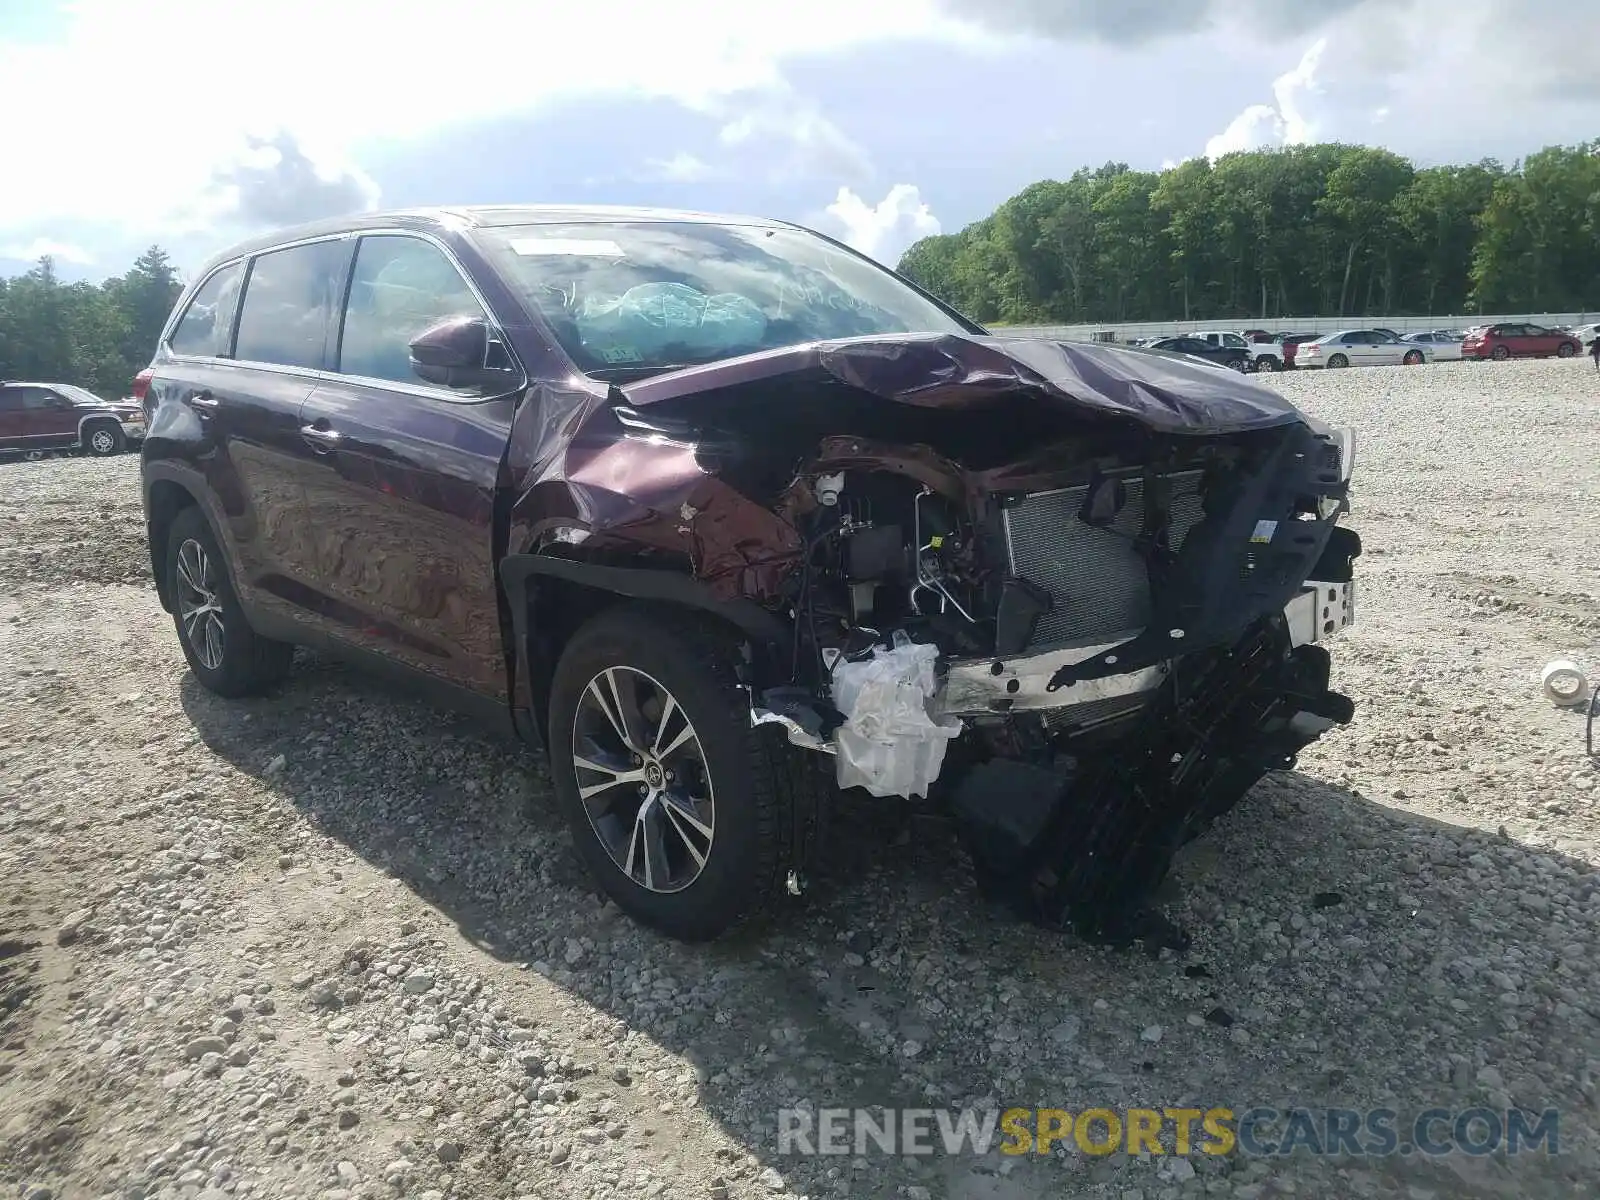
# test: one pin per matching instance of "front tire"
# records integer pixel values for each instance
(682, 811)
(225, 654)
(1413, 358)
(1565, 350)
(104, 438)
(1500, 354)
(1338, 360)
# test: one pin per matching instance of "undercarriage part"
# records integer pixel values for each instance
(1084, 841)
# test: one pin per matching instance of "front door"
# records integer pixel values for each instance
(1541, 340)
(403, 490)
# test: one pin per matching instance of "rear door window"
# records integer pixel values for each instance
(290, 299)
(206, 327)
(401, 287)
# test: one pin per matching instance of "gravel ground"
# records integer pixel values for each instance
(333, 943)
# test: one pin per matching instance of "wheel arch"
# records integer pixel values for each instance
(551, 598)
(168, 490)
(85, 424)
(164, 500)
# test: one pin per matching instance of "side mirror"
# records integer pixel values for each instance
(458, 353)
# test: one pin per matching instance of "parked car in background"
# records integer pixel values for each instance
(1359, 348)
(1237, 358)
(36, 417)
(1586, 334)
(1264, 356)
(1441, 344)
(663, 493)
(1291, 343)
(1518, 340)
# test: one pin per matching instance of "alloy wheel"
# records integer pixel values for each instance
(199, 608)
(642, 778)
(102, 441)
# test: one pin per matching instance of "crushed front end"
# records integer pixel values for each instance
(1126, 567)
(1127, 649)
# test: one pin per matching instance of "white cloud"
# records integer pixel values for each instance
(1437, 78)
(322, 82)
(1281, 123)
(813, 145)
(682, 167)
(885, 230)
(38, 248)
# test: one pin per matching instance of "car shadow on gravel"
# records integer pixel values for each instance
(893, 983)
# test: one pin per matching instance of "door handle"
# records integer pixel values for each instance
(204, 400)
(321, 440)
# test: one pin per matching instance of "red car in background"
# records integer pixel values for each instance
(1291, 344)
(1512, 339)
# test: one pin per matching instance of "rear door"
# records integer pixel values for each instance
(1355, 347)
(238, 374)
(1513, 337)
(402, 496)
(1383, 350)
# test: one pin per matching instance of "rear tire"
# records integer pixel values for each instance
(225, 654)
(709, 842)
(1267, 363)
(104, 438)
(1338, 360)
(1412, 358)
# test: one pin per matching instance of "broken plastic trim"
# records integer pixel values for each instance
(990, 686)
(798, 734)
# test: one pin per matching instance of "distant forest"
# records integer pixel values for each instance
(95, 335)
(1317, 230)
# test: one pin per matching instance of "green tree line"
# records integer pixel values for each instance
(95, 335)
(1314, 230)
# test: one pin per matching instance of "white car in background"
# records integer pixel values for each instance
(1360, 348)
(1441, 344)
(1587, 333)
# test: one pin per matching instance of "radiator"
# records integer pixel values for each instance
(1095, 577)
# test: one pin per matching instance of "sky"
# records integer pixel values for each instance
(193, 123)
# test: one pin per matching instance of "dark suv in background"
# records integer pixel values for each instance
(61, 416)
(661, 491)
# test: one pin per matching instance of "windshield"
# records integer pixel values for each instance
(77, 394)
(650, 296)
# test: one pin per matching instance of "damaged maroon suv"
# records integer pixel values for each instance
(725, 516)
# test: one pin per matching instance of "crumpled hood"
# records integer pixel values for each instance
(1163, 392)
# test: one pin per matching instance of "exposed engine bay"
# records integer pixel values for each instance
(1073, 597)
(1116, 693)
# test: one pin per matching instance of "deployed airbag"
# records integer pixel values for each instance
(656, 319)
